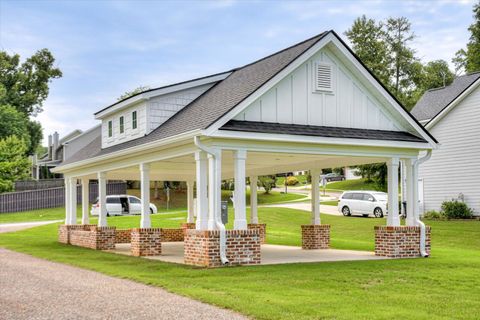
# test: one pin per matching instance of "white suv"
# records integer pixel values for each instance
(363, 203)
(121, 204)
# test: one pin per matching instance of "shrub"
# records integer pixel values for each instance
(433, 215)
(292, 181)
(267, 183)
(456, 210)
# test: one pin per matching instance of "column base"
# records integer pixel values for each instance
(202, 247)
(146, 242)
(262, 229)
(188, 225)
(64, 231)
(400, 241)
(315, 236)
(88, 236)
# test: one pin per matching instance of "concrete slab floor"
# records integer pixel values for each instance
(271, 254)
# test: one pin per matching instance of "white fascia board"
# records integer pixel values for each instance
(126, 152)
(161, 91)
(452, 105)
(359, 69)
(320, 140)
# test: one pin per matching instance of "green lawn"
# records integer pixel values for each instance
(444, 286)
(179, 201)
(357, 184)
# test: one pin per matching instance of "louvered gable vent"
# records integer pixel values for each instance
(323, 77)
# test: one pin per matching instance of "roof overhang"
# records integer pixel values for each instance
(143, 96)
(432, 122)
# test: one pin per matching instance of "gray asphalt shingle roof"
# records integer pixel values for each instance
(215, 102)
(319, 131)
(435, 100)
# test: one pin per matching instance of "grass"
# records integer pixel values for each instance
(178, 203)
(444, 286)
(329, 203)
(356, 184)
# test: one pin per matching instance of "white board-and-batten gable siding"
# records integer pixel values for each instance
(294, 101)
(454, 167)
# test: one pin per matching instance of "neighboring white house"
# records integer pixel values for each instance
(452, 115)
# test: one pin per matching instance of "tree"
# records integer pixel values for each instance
(26, 84)
(367, 38)
(13, 122)
(376, 172)
(469, 59)
(25, 88)
(13, 163)
(267, 182)
(133, 92)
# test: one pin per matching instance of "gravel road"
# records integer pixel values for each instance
(32, 288)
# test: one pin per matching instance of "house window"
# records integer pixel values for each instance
(122, 124)
(323, 77)
(110, 129)
(134, 120)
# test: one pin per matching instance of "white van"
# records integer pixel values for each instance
(363, 203)
(121, 204)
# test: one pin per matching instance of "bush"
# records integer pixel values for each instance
(267, 182)
(433, 215)
(456, 210)
(292, 181)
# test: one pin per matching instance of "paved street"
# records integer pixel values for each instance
(32, 288)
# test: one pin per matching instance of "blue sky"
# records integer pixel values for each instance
(105, 48)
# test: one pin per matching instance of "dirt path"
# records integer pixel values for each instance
(32, 288)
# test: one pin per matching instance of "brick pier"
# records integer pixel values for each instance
(315, 236)
(202, 247)
(400, 241)
(146, 242)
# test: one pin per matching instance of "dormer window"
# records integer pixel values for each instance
(122, 124)
(134, 120)
(323, 77)
(110, 129)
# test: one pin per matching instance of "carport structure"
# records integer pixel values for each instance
(310, 106)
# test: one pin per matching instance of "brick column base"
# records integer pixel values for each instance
(400, 241)
(64, 231)
(93, 237)
(202, 247)
(315, 236)
(262, 228)
(187, 225)
(146, 242)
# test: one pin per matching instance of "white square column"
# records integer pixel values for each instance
(145, 195)
(315, 195)
(202, 200)
(253, 199)
(67, 200)
(190, 216)
(102, 199)
(393, 218)
(415, 202)
(240, 222)
(408, 172)
(73, 200)
(214, 188)
(85, 218)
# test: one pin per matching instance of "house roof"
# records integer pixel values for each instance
(222, 97)
(435, 100)
(320, 131)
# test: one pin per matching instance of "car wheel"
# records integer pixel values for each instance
(346, 211)
(151, 211)
(378, 213)
(108, 214)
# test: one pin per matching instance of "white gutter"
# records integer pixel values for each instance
(221, 227)
(417, 220)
